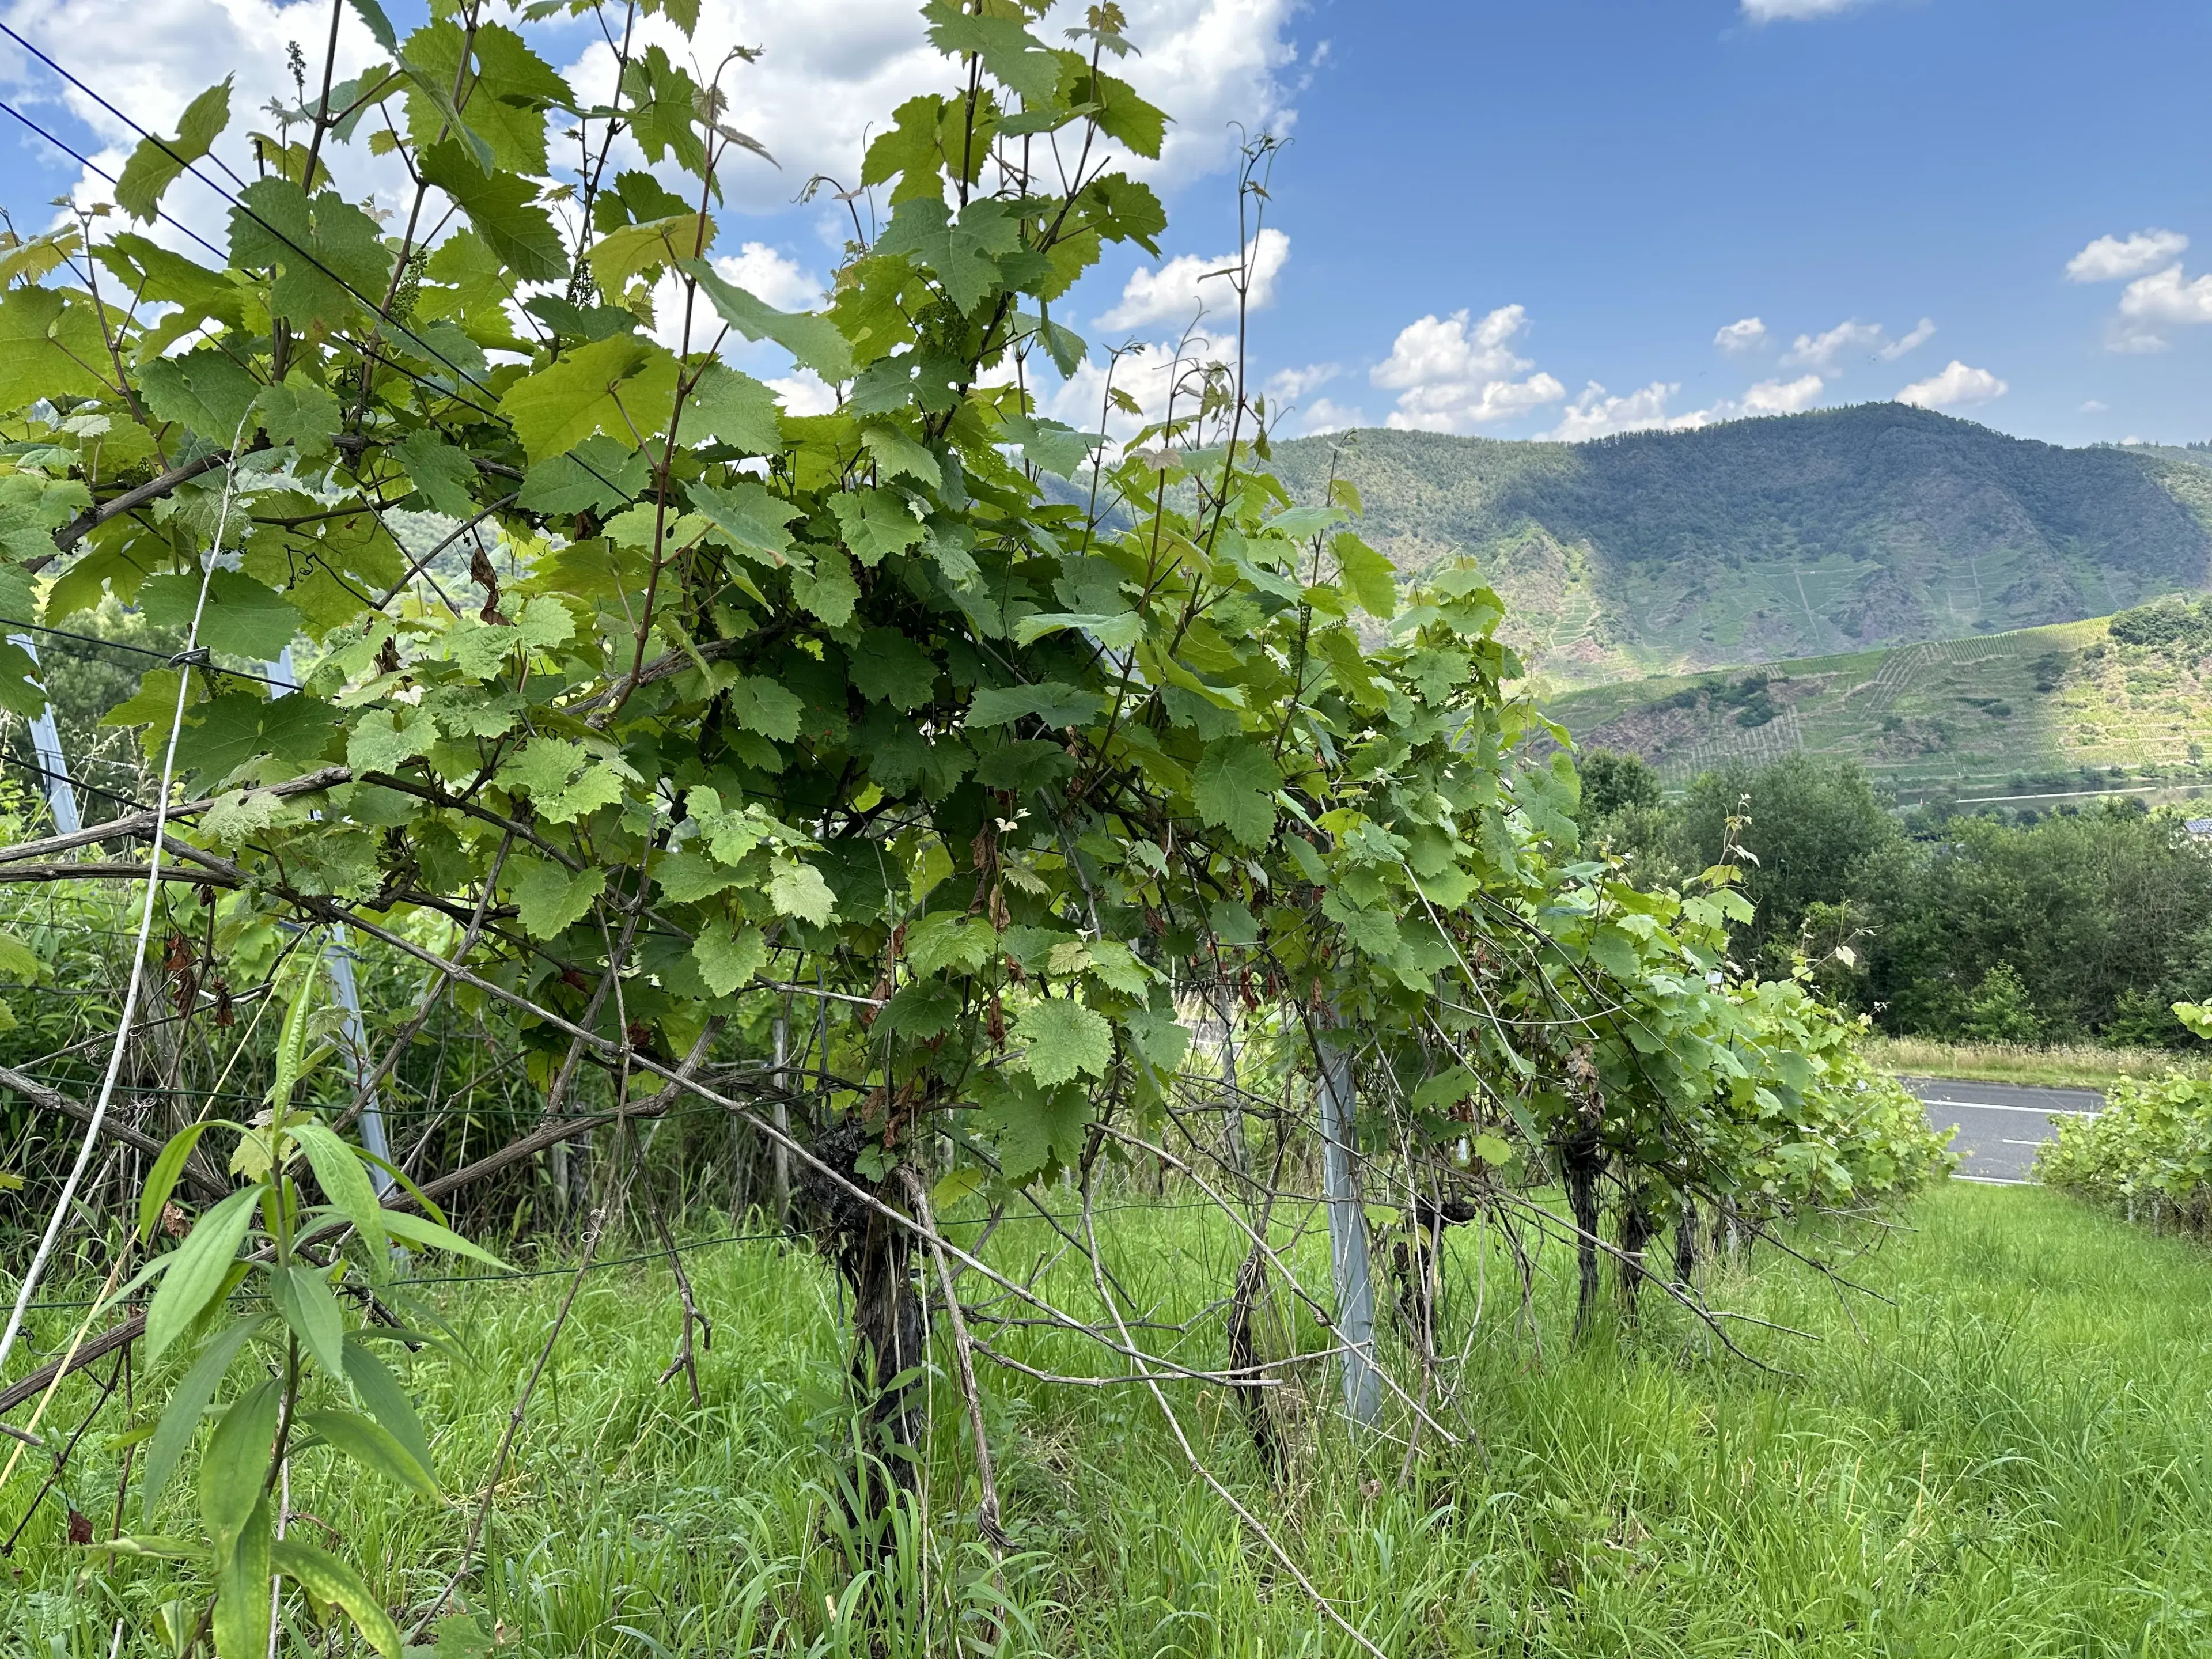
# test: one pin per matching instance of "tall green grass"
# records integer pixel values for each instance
(2011, 1455)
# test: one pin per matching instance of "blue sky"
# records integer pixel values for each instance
(1638, 174)
(1490, 210)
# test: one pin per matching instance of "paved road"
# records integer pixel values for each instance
(1999, 1125)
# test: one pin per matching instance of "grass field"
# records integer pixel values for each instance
(2013, 716)
(2077, 1065)
(2007, 1457)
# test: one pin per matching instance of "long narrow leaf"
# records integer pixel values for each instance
(369, 1444)
(240, 1624)
(174, 1433)
(416, 1230)
(303, 1296)
(339, 1171)
(326, 1578)
(197, 1268)
(235, 1468)
(376, 1387)
(161, 1180)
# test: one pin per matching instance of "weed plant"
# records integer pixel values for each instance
(2006, 1457)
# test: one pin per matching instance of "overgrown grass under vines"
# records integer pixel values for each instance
(2006, 1458)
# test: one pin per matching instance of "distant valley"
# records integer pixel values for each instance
(1837, 532)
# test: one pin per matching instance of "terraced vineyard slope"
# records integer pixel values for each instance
(1757, 541)
(2022, 711)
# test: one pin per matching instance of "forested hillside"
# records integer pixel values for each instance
(1753, 541)
(2037, 710)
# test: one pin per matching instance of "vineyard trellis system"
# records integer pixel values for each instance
(963, 807)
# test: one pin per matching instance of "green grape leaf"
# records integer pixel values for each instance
(623, 387)
(875, 522)
(829, 591)
(797, 889)
(1064, 1038)
(752, 519)
(549, 899)
(890, 667)
(1234, 788)
(811, 337)
(734, 409)
(329, 255)
(157, 163)
(504, 210)
(241, 618)
(728, 957)
(1052, 701)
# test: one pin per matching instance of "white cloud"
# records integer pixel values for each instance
(771, 276)
(2110, 257)
(1452, 374)
(1924, 331)
(812, 98)
(1770, 11)
(1783, 396)
(2165, 297)
(1185, 287)
(1822, 351)
(1285, 384)
(1745, 334)
(1593, 414)
(1325, 415)
(827, 72)
(1956, 386)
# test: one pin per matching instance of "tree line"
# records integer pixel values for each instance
(2084, 925)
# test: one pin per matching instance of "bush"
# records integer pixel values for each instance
(2149, 1150)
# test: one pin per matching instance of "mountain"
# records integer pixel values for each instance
(2011, 713)
(1792, 536)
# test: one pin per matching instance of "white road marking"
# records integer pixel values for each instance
(2027, 1143)
(1989, 1181)
(1991, 1106)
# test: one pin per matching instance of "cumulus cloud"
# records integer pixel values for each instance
(1745, 334)
(1187, 287)
(2095, 406)
(2109, 258)
(1594, 414)
(1772, 11)
(815, 90)
(1782, 397)
(2165, 298)
(772, 276)
(1325, 415)
(1850, 338)
(1454, 373)
(1287, 383)
(1955, 386)
(1922, 333)
(811, 98)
